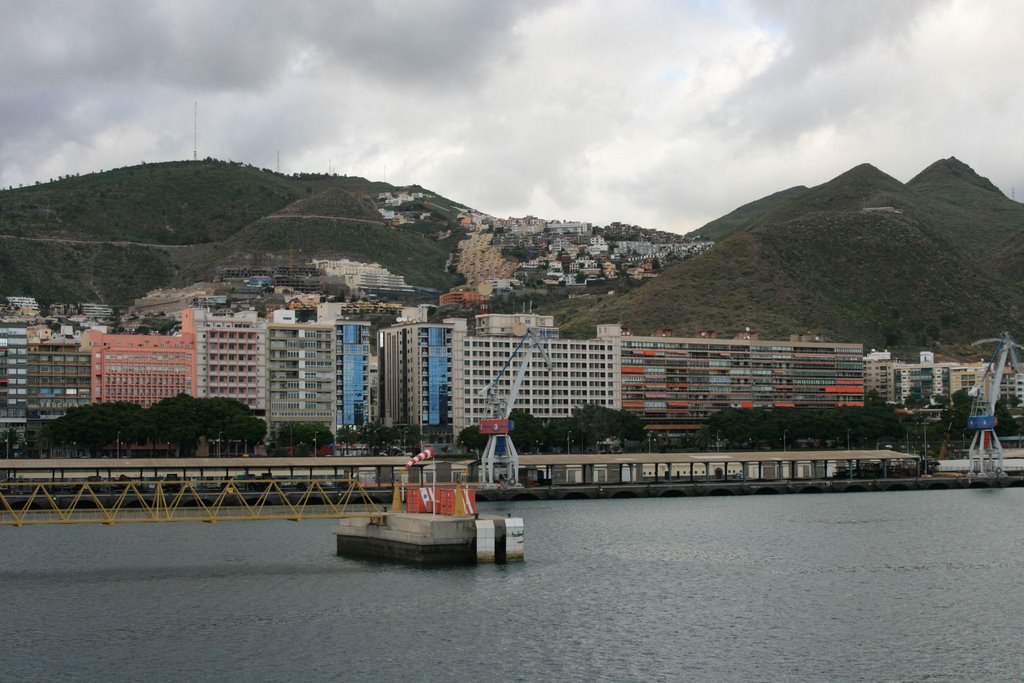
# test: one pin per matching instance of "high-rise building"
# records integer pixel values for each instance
(415, 369)
(675, 384)
(13, 386)
(59, 378)
(140, 368)
(300, 371)
(231, 356)
(581, 372)
(352, 373)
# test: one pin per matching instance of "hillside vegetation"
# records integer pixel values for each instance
(822, 260)
(421, 259)
(180, 202)
(114, 235)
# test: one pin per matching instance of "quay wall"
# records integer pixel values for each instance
(742, 488)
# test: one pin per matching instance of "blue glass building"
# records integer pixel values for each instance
(352, 366)
(416, 377)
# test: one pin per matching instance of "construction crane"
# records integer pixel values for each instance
(986, 453)
(500, 461)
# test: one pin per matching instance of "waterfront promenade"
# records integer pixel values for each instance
(544, 477)
(559, 470)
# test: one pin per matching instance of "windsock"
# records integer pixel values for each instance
(425, 454)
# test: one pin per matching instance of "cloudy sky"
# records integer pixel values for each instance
(667, 114)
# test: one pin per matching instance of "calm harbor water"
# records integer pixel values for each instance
(862, 586)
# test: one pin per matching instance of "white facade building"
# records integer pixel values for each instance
(357, 275)
(23, 303)
(300, 369)
(582, 372)
(569, 228)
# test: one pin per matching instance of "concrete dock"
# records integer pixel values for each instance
(425, 539)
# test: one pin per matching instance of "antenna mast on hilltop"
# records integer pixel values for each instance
(195, 130)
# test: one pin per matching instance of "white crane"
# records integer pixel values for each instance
(500, 461)
(986, 453)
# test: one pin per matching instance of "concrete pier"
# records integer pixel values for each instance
(425, 539)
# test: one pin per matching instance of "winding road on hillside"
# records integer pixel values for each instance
(127, 243)
(116, 243)
(326, 218)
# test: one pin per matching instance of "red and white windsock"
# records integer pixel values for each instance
(425, 454)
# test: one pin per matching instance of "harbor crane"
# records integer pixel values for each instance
(986, 453)
(500, 461)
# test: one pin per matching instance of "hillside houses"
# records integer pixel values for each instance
(389, 206)
(558, 252)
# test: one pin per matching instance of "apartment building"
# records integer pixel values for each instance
(138, 368)
(351, 373)
(360, 276)
(900, 382)
(965, 377)
(415, 371)
(675, 383)
(879, 368)
(300, 371)
(915, 382)
(580, 371)
(59, 378)
(231, 356)
(13, 385)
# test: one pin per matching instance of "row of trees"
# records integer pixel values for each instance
(183, 422)
(856, 427)
(180, 421)
(305, 438)
(588, 430)
(779, 427)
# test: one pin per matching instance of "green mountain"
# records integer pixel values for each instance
(860, 258)
(748, 214)
(112, 236)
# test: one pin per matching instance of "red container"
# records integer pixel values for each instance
(425, 499)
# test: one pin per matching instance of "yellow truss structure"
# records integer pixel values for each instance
(206, 500)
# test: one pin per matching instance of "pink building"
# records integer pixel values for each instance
(140, 368)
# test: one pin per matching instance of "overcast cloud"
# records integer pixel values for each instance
(666, 114)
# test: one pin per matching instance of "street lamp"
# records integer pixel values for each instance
(784, 433)
(218, 442)
(847, 439)
(118, 451)
(648, 443)
(568, 435)
(718, 441)
(314, 444)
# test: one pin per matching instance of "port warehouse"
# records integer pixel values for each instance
(535, 470)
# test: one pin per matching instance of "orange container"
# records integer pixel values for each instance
(421, 499)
